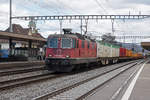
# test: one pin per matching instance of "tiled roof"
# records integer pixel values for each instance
(18, 29)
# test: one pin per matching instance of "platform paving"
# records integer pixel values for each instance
(141, 90)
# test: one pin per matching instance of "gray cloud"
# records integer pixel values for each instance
(145, 2)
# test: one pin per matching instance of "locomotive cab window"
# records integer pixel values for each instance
(53, 42)
(66, 43)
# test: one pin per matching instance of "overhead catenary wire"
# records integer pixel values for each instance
(46, 6)
(63, 6)
(59, 6)
(67, 6)
(99, 4)
(42, 5)
(117, 23)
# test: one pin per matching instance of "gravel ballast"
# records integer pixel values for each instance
(31, 91)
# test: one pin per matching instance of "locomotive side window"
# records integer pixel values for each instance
(77, 43)
(88, 44)
(93, 45)
(66, 43)
(73, 43)
(82, 43)
(53, 42)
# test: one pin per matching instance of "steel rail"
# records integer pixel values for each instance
(27, 80)
(20, 71)
(88, 93)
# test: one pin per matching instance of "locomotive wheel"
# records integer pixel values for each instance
(99, 63)
(67, 68)
(77, 67)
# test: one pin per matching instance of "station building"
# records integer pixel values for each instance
(21, 42)
(146, 45)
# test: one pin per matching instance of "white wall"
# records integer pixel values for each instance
(4, 45)
(18, 45)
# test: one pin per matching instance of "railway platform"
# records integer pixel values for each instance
(20, 64)
(141, 89)
(137, 88)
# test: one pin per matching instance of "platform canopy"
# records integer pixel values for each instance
(20, 37)
(146, 45)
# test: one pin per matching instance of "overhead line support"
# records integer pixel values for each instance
(83, 17)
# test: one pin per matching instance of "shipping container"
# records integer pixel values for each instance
(128, 53)
(107, 50)
(115, 52)
(100, 47)
(122, 52)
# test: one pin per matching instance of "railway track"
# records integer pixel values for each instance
(27, 80)
(12, 65)
(83, 88)
(31, 79)
(20, 71)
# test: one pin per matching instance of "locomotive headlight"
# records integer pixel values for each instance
(50, 55)
(67, 56)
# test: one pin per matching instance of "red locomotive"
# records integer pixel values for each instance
(64, 51)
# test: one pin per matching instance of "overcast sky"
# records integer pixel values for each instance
(61, 7)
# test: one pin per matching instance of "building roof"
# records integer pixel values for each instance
(18, 29)
(146, 45)
(20, 37)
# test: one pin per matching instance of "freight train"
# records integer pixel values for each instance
(69, 51)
